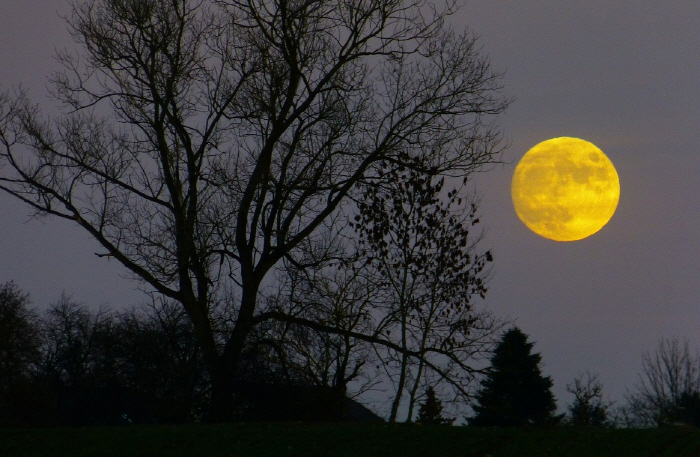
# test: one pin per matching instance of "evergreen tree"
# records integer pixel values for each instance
(584, 414)
(514, 393)
(430, 412)
(588, 409)
(688, 408)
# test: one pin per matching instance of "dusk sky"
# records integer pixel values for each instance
(622, 75)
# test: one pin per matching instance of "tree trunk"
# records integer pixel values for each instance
(224, 371)
(414, 390)
(399, 389)
(222, 401)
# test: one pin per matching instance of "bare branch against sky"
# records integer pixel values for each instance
(619, 74)
(203, 143)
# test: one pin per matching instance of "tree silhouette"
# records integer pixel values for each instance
(74, 365)
(514, 392)
(160, 370)
(18, 333)
(588, 408)
(419, 242)
(98, 367)
(19, 353)
(205, 141)
(688, 408)
(430, 412)
(668, 374)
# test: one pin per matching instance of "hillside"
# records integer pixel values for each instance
(308, 440)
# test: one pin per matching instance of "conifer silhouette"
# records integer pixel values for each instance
(514, 393)
(430, 412)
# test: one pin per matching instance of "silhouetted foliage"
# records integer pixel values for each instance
(668, 383)
(72, 365)
(419, 243)
(588, 408)
(18, 334)
(19, 352)
(99, 367)
(162, 371)
(205, 141)
(514, 392)
(688, 409)
(430, 412)
(356, 290)
(77, 364)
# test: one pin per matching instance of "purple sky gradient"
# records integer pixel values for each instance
(622, 75)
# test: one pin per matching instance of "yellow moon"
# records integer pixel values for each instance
(565, 189)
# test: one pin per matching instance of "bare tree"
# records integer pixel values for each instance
(667, 375)
(73, 337)
(78, 362)
(204, 141)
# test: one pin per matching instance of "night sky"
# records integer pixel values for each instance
(622, 75)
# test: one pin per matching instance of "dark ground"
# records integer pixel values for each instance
(308, 440)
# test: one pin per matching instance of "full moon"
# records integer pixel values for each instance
(565, 189)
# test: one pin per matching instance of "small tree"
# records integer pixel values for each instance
(419, 242)
(430, 412)
(588, 408)
(514, 392)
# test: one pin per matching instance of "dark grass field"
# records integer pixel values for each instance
(308, 440)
